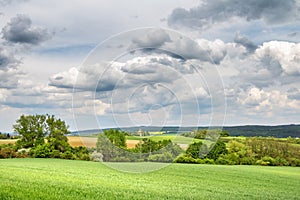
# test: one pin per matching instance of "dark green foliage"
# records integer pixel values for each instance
(57, 129)
(45, 136)
(199, 150)
(148, 146)
(32, 129)
(224, 134)
(250, 151)
(112, 147)
(295, 162)
(116, 137)
(218, 149)
(194, 150)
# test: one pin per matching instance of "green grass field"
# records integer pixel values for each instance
(66, 179)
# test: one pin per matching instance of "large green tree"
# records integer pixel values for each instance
(36, 129)
(32, 129)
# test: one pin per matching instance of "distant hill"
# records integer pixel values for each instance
(247, 130)
(255, 130)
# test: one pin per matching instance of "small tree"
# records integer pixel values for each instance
(116, 137)
(194, 150)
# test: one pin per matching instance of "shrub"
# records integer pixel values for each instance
(226, 160)
(262, 163)
(7, 152)
(208, 161)
(96, 156)
(295, 162)
(165, 157)
(67, 155)
(185, 159)
(281, 162)
(40, 151)
(247, 161)
(269, 160)
(266, 161)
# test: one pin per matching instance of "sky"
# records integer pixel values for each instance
(98, 64)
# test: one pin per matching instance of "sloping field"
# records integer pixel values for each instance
(8, 141)
(66, 179)
(90, 142)
(76, 141)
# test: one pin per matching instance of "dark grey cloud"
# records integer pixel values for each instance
(215, 11)
(244, 41)
(20, 30)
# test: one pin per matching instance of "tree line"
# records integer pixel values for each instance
(111, 146)
(250, 151)
(42, 136)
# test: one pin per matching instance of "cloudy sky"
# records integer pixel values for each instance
(115, 63)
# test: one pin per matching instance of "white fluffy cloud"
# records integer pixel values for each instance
(284, 54)
(271, 102)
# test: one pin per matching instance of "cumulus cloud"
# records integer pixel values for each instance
(214, 11)
(285, 55)
(139, 84)
(103, 77)
(273, 63)
(159, 41)
(266, 101)
(153, 39)
(184, 48)
(65, 79)
(7, 59)
(20, 30)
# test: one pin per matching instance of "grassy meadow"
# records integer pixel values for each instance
(68, 179)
